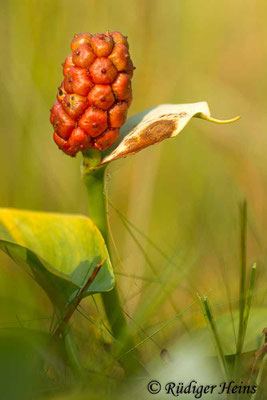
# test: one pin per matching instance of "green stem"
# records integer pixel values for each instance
(93, 177)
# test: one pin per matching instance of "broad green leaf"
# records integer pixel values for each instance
(156, 124)
(59, 251)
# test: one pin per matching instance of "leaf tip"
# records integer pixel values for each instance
(219, 121)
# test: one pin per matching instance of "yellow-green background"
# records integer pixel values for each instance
(183, 193)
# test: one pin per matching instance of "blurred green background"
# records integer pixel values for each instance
(184, 193)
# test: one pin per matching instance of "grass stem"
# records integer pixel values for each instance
(206, 309)
(249, 300)
(73, 353)
(243, 272)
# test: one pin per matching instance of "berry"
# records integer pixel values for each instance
(118, 114)
(79, 141)
(107, 138)
(129, 100)
(118, 38)
(101, 96)
(103, 71)
(79, 39)
(122, 86)
(61, 92)
(94, 121)
(102, 45)
(74, 105)
(84, 56)
(64, 145)
(63, 124)
(94, 97)
(78, 81)
(68, 64)
(120, 57)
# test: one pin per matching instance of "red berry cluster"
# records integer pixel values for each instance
(93, 99)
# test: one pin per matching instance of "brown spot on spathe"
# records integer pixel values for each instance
(145, 134)
(151, 134)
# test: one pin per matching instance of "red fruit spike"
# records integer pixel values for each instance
(101, 96)
(120, 57)
(102, 45)
(118, 114)
(61, 93)
(79, 140)
(94, 121)
(62, 123)
(68, 64)
(74, 105)
(78, 81)
(79, 39)
(93, 100)
(64, 145)
(107, 138)
(122, 86)
(118, 38)
(103, 71)
(84, 56)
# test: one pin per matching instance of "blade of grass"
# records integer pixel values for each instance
(82, 312)
(224, 273)
(147, 238)
(249, 301)
(128, 224)
(207, 312)
(100, 316)
(153, 269)
(229, 297)
(154, 297)
(142, 278)
(164, 325)
(142, 330)
(242, 288)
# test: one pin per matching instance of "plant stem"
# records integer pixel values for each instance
(94, 180)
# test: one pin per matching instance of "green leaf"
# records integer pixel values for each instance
(156, 124)
(34, 359)
(59, 251)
